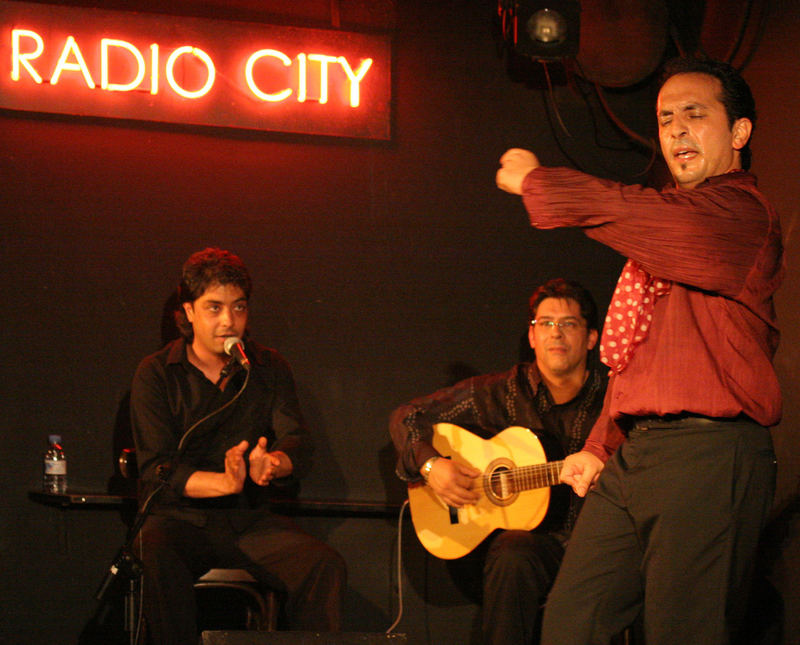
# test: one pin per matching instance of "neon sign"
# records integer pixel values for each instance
(150, 67)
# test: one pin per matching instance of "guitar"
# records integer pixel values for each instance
(514, 489)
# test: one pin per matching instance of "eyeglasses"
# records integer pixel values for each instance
(564, 325)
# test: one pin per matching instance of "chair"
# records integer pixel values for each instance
(260, 605)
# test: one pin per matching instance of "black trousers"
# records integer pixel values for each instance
(175, 552)
(518, 571)
(671, 530)
(509, 575)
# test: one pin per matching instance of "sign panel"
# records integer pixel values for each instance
(116, 64)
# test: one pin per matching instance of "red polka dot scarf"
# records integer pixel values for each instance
(629, 314)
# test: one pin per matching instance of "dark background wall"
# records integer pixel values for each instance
(382, 270)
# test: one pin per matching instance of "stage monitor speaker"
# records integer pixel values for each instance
(300, 638)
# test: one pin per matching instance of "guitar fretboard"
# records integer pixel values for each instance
(526, 477)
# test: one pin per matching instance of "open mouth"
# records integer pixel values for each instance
(685, 154)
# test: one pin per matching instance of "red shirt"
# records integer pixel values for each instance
(712, 338)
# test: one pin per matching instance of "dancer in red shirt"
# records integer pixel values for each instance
(671, 527)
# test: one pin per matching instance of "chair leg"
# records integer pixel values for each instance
(262, 610)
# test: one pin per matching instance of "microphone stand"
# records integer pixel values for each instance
(126, 562)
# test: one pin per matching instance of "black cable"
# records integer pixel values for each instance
(646, 144)
(187, 434)
(595, 126)
(557, 140)
(399, 568)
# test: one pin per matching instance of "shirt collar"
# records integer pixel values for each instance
(177, 352)
(736, 175)
(732, 176)
(538, 386)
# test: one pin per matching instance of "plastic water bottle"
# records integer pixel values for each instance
(55, 466)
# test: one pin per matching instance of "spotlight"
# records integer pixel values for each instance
(546, 30)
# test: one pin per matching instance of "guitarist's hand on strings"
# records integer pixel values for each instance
(581, 470)
(453, 482)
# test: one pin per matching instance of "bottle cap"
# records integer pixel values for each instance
(54, 438)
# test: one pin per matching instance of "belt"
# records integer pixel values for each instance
(655, 422)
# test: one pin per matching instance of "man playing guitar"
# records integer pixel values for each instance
(557, 396)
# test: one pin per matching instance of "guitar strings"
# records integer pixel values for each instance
(529, 477)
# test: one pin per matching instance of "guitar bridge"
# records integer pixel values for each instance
(453, 514)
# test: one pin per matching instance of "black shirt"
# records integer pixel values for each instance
(169, 395)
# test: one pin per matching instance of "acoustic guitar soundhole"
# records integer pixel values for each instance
(499, 482)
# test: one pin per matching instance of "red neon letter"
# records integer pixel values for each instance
(79, 66)
(154, 69)
(323, 74)
(248, 73)
(105, 43)
(302, 78)
(356, 78)
(197, 53)
(18, 59)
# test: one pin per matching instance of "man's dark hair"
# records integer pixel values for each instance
(566, 289)
(209, 267)
(736, 95)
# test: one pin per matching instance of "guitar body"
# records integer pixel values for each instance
(450, 533)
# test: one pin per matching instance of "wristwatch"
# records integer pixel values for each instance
(425, 471)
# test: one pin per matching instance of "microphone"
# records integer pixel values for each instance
(234, 347)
